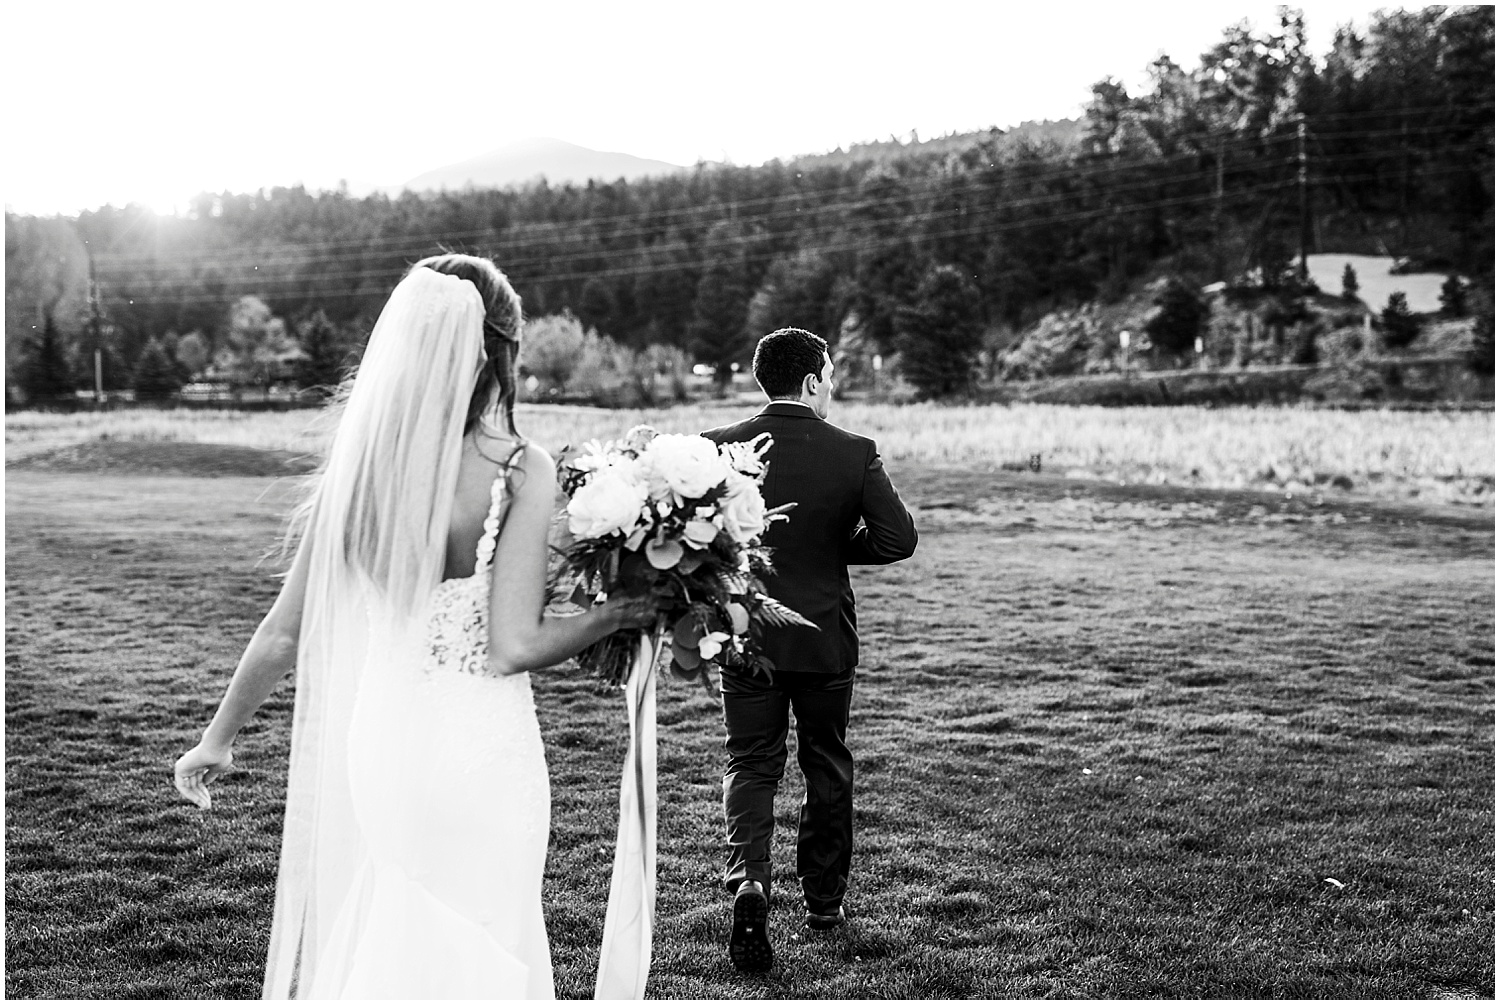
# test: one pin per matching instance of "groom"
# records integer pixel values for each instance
(847, 513)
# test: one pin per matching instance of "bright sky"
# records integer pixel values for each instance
(153, 101)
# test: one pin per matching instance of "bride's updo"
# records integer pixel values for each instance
(502, 333)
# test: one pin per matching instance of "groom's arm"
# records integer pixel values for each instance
(888, 533)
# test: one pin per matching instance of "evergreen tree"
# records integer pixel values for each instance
(596, 305)
(718, 332)
(888, 264)
(322, 362)
(157, 374)
(941, 336)
(1351, 283)
(1179, 318)
(45, 374)
(799, 291)
(1454, 297)
(1273, 258)
(1401, 326)
(1482, 353)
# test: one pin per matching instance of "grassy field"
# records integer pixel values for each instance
(1111, 741)
(1436, 457)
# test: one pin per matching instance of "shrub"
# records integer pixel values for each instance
(658, 374)
(257, 348)
(1400, 325)
(157, 375)
(1351, 283)
(1272, 261)
(1305, 348)
(601, 370)
(854, 356)
(552, 349)
(1179, 317)
(1454, 297)
(1482, 355)
(1350, 379)
(193, 353)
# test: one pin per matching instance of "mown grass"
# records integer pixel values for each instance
(1440, 457)
(1111, 741)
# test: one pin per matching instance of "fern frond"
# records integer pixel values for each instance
(774, 612)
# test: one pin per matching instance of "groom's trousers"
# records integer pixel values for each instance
(756, 723)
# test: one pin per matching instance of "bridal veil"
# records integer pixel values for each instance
(376, 524)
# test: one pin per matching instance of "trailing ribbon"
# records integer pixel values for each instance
(625, 955)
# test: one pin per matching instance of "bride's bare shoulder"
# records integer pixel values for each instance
(532, 462)
(527, 453)
(519, 461)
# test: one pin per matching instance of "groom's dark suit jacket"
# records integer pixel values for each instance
(847, 513)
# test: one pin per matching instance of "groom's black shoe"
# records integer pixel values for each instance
(749, 946)
(823, 922)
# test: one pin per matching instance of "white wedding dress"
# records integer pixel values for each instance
(448, 783)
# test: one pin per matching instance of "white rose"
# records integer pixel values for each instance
(638, 437)
(609, 502)
(710, 645)
(688, 466)
(745, 457)
(744, 509)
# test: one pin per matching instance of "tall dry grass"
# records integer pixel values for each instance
(1446, 457)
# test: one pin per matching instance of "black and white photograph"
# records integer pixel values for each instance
(786, 500)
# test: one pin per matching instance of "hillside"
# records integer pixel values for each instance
(1065, 134)
(1258, 341)
(535, 157)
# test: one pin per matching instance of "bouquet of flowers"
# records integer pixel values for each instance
(679, 518)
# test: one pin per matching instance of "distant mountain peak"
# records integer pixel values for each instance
(529, 159)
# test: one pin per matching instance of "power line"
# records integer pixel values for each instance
(594, 229)
(869, 244)
(832, 248)
(562, 254)
(554, 255)
(658, 219)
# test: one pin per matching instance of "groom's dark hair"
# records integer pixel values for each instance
(783, 358)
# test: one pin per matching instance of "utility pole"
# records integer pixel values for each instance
(1302, 189)
(96, 326)
(1219, 210)
(1405, 180)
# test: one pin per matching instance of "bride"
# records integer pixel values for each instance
(417, 807)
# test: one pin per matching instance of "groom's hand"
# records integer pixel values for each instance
(627, 612)
(888, 534)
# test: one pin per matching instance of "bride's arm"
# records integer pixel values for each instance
(271, 653)
(522, 636)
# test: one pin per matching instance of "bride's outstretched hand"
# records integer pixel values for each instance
(197, 768)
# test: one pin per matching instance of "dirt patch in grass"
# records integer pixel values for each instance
(1111, 741)
(967, 490)
(204, 460)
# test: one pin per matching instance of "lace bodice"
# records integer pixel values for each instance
(458, 614)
